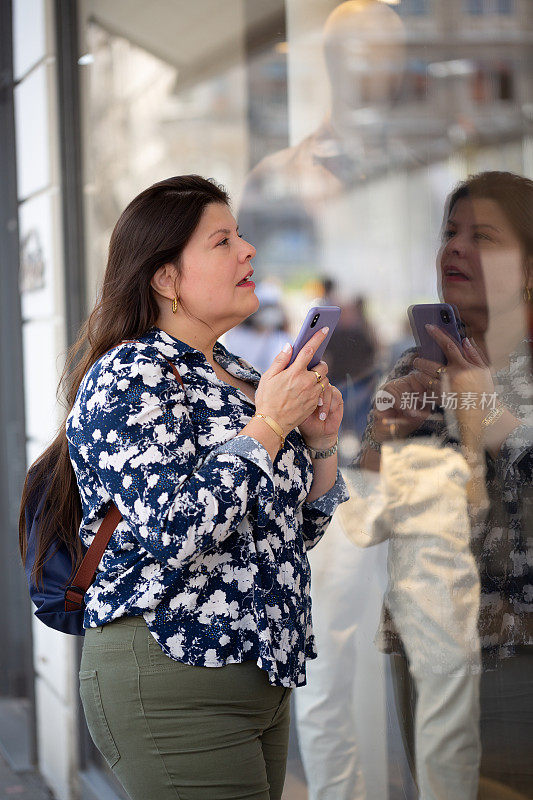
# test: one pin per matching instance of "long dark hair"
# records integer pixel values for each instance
(153, 230)
(513, 194)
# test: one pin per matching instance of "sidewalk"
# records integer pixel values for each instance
(30, 785)
(21, 785)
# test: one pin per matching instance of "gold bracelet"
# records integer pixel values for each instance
(492, 416)
(274, 425)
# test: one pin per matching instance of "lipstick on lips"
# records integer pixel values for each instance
(453, 274)
(246, 282)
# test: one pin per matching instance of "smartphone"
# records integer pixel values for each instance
(317, 317)
(460, 324)
(445, 317)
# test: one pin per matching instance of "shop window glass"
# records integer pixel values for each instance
(340, 129)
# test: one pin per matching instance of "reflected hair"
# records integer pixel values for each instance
(514, 195)
(152, 231)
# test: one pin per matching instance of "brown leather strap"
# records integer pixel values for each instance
(87, 569)
(176, 374)
(74, 593)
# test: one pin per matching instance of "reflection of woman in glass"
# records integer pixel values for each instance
(485, 267)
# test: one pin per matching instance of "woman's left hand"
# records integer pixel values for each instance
(321, 433)
(467, 375)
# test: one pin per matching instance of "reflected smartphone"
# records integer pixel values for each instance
(318, 317)
(444, 316)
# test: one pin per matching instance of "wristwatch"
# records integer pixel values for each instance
(493, 415)
(324, 453)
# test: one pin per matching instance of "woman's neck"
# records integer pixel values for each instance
(501, 337)
(199, 337)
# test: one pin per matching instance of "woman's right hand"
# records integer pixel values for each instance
(290, 394)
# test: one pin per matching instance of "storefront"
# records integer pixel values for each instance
(338, 129)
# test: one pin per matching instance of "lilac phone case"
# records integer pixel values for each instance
(327, 316)
(430, 313)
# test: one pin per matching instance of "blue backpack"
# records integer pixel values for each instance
(60, 600)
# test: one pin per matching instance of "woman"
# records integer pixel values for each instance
(198, 622)
(485, 268)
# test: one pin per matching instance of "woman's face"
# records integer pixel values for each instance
(480, 263)
(214, 264)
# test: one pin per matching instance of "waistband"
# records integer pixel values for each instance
(133, 622)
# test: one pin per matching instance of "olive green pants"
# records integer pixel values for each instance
(172, 731)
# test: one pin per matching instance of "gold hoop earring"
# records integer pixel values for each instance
(174, 305)
(527, 294)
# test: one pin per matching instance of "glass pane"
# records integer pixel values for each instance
(341, 131)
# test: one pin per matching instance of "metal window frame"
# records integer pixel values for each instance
(71, 168)
(16, 644)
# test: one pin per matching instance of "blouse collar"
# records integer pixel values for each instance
(170, 346)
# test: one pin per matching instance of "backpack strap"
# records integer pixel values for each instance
(86, 572)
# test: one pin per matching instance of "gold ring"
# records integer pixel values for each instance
(318, 376)
(323, 387)
(440, 371)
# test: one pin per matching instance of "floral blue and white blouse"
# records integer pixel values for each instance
(211, 548)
